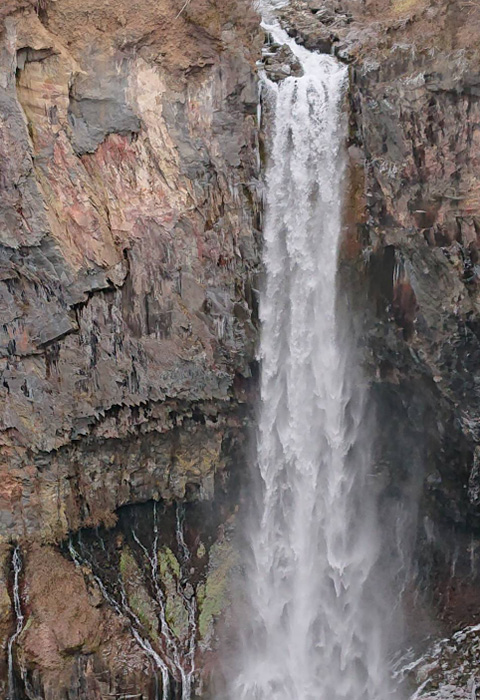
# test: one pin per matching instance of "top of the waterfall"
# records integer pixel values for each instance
(267, 7)
(310, 61)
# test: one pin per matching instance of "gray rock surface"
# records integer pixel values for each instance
(129, 262)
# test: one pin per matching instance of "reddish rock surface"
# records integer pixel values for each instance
(128, 213)
(129, 220)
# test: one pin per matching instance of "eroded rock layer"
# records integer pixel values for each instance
(128, 241)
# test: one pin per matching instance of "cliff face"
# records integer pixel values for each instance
(128, 213)
(129, 235)
(415, 116)
(129, 226)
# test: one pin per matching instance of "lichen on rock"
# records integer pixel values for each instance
(215, 593)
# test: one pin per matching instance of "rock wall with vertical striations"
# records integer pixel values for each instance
(128, 234)
(129, 220)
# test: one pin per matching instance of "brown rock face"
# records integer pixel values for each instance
(415, 116)
(128, 219)
(73, 645)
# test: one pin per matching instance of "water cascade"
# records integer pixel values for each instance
(315, 628)
(171, 657)
(19, 617)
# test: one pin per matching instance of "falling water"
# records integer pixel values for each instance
(188, 596)
(17, 568)
(172, 657)
(315, 631)
(124, 609)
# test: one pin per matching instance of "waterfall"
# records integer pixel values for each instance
(17, 606)
(189, 602)
(314, 630)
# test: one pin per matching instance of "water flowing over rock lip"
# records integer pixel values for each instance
(312, 551)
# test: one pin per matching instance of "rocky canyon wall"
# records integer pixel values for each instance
(129, 219)
(415, 117)
(130, 212)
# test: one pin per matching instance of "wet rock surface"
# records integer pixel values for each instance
(449, 669)
(100, 611)
(280, 63)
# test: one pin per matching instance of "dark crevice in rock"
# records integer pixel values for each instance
(28, 55)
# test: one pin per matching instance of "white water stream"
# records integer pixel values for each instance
(19, 620)
(315, 629)
(172, 657)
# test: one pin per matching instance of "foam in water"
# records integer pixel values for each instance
(314, 626)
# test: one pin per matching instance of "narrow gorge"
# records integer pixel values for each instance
(239, 350)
